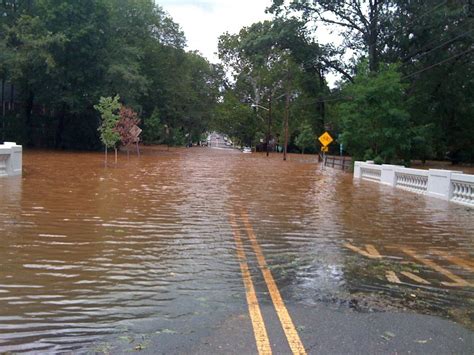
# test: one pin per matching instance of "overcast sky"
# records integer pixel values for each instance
(203, 21)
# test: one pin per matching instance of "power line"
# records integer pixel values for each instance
(426, 13)
(412, 21)
(443, 44)
(436, 64)
(306, 63)
(406, 76)
(415, 19)
(334, 99)
(317, 101)
(436, 40)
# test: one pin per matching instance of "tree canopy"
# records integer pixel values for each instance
(431, 45)
(59, 57)
(405, 71)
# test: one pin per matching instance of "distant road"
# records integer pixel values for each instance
(218, 141)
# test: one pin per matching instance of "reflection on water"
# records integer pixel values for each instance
(87, 252)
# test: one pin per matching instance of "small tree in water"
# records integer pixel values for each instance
(128, 119)
(108, 108)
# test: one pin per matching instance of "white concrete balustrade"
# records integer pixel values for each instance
(369, 173)
(414, 181)
(463, 188)
(11, 157)
(448, 185)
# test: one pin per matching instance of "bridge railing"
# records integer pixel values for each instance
(462, 189)
(10, 159)
(448, 185)
(334, 161)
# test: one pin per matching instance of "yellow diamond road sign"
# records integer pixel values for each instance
(325, 139)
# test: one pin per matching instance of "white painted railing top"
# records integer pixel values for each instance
(10, 159)
(448, 185)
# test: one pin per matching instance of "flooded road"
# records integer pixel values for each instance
(89, 254)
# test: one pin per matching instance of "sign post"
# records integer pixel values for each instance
(325, 140)
(135, 133)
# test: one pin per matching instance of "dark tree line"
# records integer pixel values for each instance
(405, 91)
(58, 57)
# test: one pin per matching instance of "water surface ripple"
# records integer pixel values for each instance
(88, 251)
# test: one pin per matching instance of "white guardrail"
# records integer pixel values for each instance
(448, 185)
(10, 159)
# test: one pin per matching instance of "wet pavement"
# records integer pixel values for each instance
(144, 256)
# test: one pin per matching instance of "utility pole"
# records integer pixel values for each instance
(287, 110)
(3, 109)
(269, 125)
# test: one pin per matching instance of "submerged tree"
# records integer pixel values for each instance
(125, 127)
(108, 108)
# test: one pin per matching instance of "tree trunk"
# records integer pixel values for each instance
(12, 99)
(287, 113)
(322, 104)
(372, 35)
(115, 148)
(3, 97)
(105, 161)
(60, 128)
(28, 113)
(3, 110)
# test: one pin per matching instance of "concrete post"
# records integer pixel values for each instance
(5, 160)
(12, 159)
(17, 160)
(387, 176)
(357, 165)
(439, 183)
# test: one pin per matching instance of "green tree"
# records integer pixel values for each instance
(237, 119)
(109, 110)
(375, 122)
(305, 138)
(268, 62)
(152, 130)
(75, 84)
(360, 22)
(61, 56)
(30, 62)
(434, 44)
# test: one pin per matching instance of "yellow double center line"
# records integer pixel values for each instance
(261, 337)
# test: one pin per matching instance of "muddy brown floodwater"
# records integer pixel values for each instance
(87, 252)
